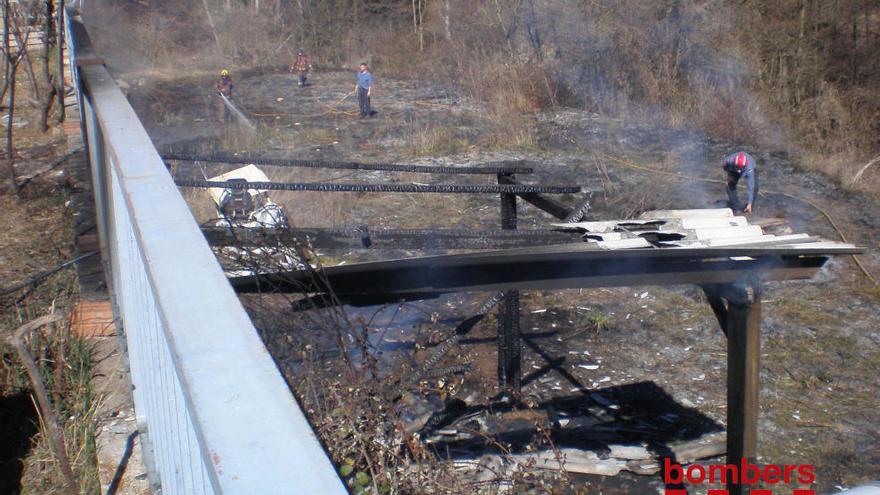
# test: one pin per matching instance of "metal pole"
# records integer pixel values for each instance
(743, 377)
(508, 202)
(509, 344)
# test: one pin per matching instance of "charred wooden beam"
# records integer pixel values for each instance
(551, 206)
(361, 237)
(546, 267)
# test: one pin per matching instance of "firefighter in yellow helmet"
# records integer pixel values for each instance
(223, 86)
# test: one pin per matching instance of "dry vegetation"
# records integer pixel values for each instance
(37, 234)
(795, 75)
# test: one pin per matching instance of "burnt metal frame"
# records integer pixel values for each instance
(489, 168)
(509, 338)
(732, 287)
(735, 295)
(518, 189)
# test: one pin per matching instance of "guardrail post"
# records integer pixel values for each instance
(509, 344)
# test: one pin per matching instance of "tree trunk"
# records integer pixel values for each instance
(10, 152)
(415, 17)
(7, 58)
(59, 81)
(815, 73)
(299, 24)
(799, 55)
(29, 70)
(446, 24)
(417, 9)
(48, 34)
(853, 60)
(211, 23)
(421, 4)
(22, 38)
(47, 108)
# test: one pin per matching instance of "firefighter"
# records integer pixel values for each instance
(223, 87)
(741, 165)
(302, 65)
(364, 89)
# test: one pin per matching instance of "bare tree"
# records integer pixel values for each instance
(12, 68)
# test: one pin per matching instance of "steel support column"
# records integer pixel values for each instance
(508, 203)
(509, 344)
(509, 341)
(743, 321)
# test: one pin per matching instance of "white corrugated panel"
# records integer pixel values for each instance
(741, 232)
(704, 213)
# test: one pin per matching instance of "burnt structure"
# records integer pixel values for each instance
(724, 255)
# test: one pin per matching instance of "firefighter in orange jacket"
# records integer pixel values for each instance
(302, 66)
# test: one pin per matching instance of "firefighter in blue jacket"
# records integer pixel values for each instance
(741, 165)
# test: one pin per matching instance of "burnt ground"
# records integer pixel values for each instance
(655, 353)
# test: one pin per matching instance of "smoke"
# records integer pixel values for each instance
(672, 69)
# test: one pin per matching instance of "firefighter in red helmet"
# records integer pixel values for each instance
(741, 165)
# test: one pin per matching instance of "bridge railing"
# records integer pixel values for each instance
(214, 413)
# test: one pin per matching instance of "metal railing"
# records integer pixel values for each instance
(213, 411)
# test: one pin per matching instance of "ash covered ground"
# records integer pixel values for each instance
(653, 358)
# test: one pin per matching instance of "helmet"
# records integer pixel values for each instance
(300, 51)
(741, 161)
(224, 73)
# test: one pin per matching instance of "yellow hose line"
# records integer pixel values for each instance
(330, 109)
(824, 213)
(430, 104)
